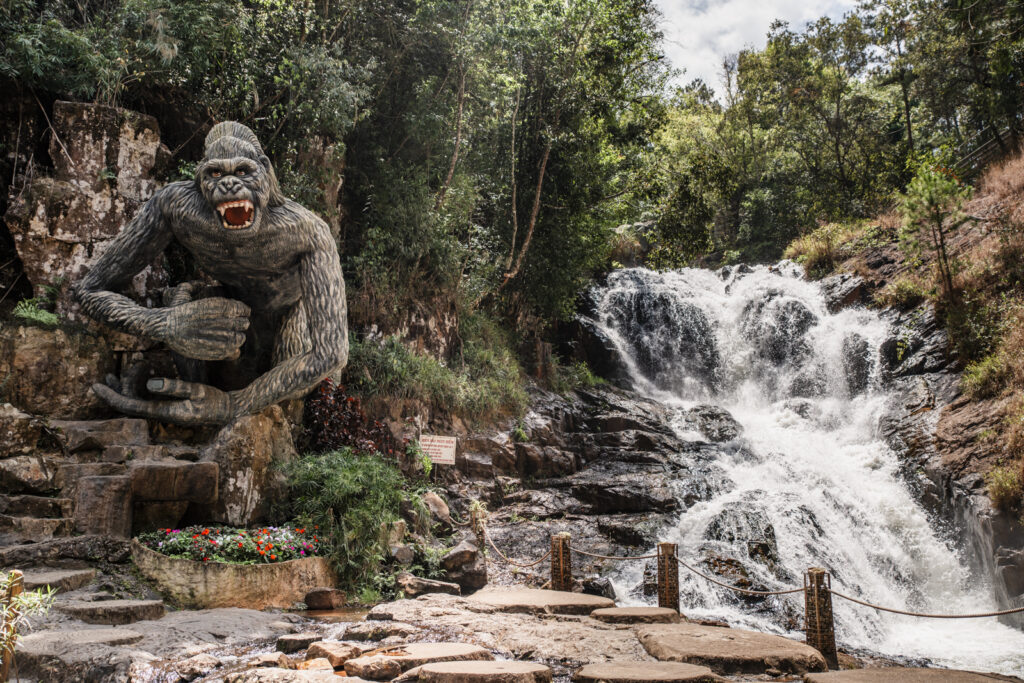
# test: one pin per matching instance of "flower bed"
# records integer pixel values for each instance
(236, 546)
(225, 567)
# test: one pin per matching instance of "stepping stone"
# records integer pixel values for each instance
(113, 611)
(485, 672)
(51, 643)
(417, 654)
(293, 642)
(536, 601)
(646, 672)
(636, 615)
(61, 580)
(729, 650)
(897, 675)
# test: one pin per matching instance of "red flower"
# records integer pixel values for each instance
(273, 557)
(263, 552)
(239, 545)
(206, 532)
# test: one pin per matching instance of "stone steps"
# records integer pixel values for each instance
(18, 529)
(112, 612)
(645, 672)
(60, 580)
(26, 505)
(485, 672)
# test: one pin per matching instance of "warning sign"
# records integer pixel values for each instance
(441, 449)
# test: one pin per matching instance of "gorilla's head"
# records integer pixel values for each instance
(236, 177)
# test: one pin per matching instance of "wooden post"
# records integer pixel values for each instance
(561, 563)
(17, 585)
(818, 621)
(476, 522)
(668, 576)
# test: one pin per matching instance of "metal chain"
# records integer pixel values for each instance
(512, 562)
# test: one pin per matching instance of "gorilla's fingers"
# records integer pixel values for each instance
(131, 406)
(175, 388)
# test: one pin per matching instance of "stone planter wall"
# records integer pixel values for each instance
(205, 585)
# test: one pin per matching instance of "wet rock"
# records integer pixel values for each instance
(103, 506)
(278, 675)
(334, 652)
(809, 383)
(379, 630)
(776, 325)
(842, 291)
(375, 668)
(747, 527)
(594, 347)
(464, 553)
(324, 598)
(919, 343)
(247, 453)
(856, 363)
(414, 586)
(533, 460)
(51, 372)
(271, 659)
(714, 422)
(295, 642)
(532, 601)
(19, 431)
(76, 655)
(471, 576)
(598, 585)
(196, 667)
(636, 615)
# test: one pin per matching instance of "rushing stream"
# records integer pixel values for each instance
(809, 482)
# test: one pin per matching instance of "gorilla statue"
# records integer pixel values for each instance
(277, 316)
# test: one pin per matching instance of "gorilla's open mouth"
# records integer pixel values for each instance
(236, 215)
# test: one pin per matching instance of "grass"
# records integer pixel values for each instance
(903, 293)
(1005, 486)
(821, 250)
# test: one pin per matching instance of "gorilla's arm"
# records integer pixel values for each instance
(323, 295)
(209, 329)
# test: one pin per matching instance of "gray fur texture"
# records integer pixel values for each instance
(280, 285)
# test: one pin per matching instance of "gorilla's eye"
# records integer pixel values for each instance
(240, 172)
(215, 174)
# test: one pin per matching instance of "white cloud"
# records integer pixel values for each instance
(699, 34)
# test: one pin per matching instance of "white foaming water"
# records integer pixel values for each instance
(809, 474)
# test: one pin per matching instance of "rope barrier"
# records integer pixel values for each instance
(613, 557)
(511, 562)
(746, 591)
(737, 588)
(926, 615)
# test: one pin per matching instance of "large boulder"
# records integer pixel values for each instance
(19, 431)
(777, 326)
(247, 453)
(714, 422)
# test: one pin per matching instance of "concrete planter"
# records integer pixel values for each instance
(204, 585)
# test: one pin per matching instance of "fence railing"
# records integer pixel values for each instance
(819, 621)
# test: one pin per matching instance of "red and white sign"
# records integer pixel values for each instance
(441, 449)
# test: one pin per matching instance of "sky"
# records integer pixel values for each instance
(700, 33)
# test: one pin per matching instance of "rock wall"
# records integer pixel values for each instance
(103, 170)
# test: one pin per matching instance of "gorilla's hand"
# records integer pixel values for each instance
(207, 329)
(201, 404)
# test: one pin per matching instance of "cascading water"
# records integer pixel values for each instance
(808, 482)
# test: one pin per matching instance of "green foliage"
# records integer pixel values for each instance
(353, 499)
(932, 209)
(903, 293)
(821, 250)
(485, 383)
(567, 377)
(415, 452)
(16, 615)
(31, 311)
(1005, 486)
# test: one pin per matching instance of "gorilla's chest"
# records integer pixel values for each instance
(261, 268)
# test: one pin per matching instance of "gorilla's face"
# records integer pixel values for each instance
(235, 180)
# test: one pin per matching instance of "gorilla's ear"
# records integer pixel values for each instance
(275, 196)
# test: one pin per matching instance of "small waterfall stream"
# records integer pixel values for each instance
(809, 482)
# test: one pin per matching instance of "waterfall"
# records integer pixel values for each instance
(808, 481)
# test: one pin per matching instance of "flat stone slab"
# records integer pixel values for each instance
(897, 675)
(646, 672)
(113, 612)
(636, 615)
(61, 580)
(53, 643)
(418, 654)
(485, 672)
(729, 650)
(534, 600)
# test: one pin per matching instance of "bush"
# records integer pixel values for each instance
(353, 499)
(333, 420)
(903, 293)
(236, 546)
(820, 251)
(1005, 487)
(566, 378)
